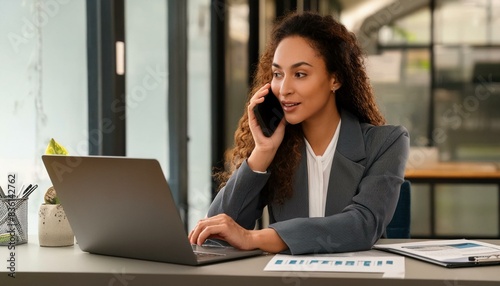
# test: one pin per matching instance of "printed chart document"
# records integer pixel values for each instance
(448, 253)
(366, 261)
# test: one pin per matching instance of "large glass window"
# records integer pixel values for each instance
(43, 88)
(467, 76)
(147, 96)
(451, 77)
(43, 83)
(466, 104)
(401, 78)
(415, 28)
(146, 80)
(402, 86)
(472, 22)
(236, 64)
(199, 111)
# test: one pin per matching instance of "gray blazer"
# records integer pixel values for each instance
(367, 172)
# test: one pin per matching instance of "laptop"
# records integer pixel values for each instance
(121, 206)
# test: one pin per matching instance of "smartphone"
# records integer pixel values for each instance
(269, 114)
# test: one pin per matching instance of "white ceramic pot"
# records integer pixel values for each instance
(53, 226)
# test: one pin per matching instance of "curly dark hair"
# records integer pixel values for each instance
(344, 60)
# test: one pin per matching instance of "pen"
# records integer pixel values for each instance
(20, 191)
(484, 258)
(28, 191)
(21, 194)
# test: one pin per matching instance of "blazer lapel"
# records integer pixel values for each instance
(347, 171)
(298, 204)
(348, 165)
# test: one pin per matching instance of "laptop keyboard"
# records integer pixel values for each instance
(203, 254)
(206, 250)
(211, 248)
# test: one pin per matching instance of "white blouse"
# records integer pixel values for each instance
(318, 171)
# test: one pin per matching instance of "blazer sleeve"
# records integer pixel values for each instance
(240, 198)
(361, 223)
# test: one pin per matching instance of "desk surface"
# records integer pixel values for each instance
(70, 266)
(451, 170)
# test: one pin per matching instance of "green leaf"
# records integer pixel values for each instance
(55, 148)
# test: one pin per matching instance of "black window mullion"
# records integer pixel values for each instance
(106, 89)
(285, 6)
(431, 123)
(218, 84)
(177, 104)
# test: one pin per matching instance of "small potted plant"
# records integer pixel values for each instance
(53, 226)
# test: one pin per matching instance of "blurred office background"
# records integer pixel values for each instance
(168, 80)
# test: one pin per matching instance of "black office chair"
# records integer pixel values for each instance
(399, 227)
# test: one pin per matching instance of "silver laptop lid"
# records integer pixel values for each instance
(120, 206)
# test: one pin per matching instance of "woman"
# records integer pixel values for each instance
(330, 174)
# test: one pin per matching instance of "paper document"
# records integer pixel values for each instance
(449, 253)
(389, 266)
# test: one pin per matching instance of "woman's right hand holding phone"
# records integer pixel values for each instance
(265, 147)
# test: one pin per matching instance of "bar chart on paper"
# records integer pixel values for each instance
(390, 266)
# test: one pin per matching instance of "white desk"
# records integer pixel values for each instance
(70, 266)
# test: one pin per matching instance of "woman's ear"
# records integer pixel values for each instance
(334, 83)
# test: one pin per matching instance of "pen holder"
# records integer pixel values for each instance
(13, 221)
